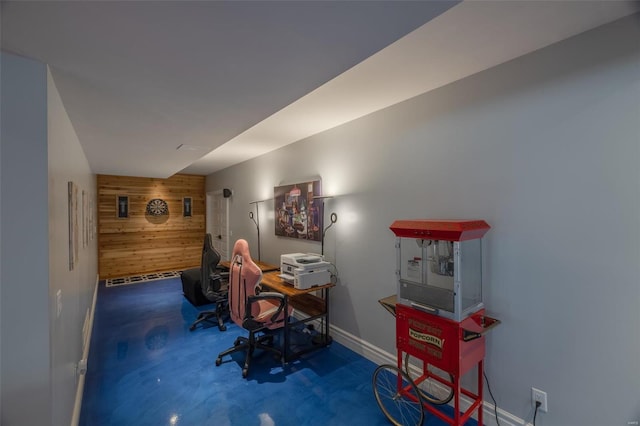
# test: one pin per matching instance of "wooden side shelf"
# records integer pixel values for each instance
(309, 304)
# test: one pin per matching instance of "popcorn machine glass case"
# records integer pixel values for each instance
(439, 265)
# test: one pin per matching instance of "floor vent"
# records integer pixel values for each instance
(135, 279)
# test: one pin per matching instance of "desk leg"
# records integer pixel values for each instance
(327, 338)
(285, 344)
(324, 339)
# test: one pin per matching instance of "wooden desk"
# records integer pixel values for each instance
(304, 301)
(264, 267)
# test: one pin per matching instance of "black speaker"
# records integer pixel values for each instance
(226, 193)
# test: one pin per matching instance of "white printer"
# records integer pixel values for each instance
(304, 270)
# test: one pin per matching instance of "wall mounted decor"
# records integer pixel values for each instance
(73, 224)
(298, 214)
(122, 206)
(187, 204)
(157, 207)
(85, 219)
(92, 229)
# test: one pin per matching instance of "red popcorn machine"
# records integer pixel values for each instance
(440, 322)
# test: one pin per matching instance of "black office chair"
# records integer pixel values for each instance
(207, 285)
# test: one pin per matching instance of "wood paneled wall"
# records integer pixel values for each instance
(143, 243)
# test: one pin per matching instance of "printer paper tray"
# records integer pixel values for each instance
(287, 278)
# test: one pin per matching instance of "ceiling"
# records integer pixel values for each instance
(228, 81)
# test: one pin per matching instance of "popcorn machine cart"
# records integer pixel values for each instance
(440, 322)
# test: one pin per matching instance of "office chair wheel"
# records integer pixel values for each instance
(397, 396)
(193, 327)
(245, 373)
(222, 327)
(431, 390)
(218, 361)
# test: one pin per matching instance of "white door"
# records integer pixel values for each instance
(218, 222)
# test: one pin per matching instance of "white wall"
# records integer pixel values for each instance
(25, 394)
(67, 162)
(545, 148)
(40, 154)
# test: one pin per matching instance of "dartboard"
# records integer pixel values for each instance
(157, 207)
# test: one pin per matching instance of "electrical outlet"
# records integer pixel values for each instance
(539, 396)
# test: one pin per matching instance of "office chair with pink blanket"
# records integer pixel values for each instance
(255, 311)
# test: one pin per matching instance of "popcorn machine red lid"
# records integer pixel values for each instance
(447, 230)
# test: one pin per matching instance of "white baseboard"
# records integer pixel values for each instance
(87, 329)
(379, 356)
(361, 347)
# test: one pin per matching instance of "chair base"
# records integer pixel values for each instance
(250, 344)
(212, 317)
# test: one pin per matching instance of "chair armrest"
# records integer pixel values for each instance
(215, 278)
(267, 295)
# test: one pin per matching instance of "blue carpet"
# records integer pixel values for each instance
(146, 368)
